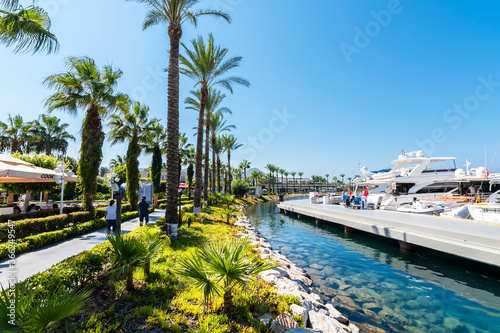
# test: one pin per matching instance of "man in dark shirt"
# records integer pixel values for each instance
(143, 210)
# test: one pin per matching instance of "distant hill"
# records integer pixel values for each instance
(249, 171)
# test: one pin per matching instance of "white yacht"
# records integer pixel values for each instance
(488, 211)
(410, 179)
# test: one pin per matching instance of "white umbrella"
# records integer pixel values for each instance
(13, 170)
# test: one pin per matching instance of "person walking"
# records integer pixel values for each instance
(110, 216)
(143, 211)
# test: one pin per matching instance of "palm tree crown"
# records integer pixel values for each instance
(13, 135)
(26, 28)
(49, 134)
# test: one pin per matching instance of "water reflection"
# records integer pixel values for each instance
(380, 287)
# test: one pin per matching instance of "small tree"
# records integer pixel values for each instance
(239, 188)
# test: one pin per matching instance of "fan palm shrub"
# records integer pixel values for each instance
(228, 200)
(130, 252)
(228, 213)
(221, 267)
(34, 314)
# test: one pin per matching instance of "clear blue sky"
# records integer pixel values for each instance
(331, 86)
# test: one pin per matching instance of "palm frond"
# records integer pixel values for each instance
(27, 29)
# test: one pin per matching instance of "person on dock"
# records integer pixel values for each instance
(110, 216)
(143, 211)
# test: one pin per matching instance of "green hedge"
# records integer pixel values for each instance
(43, 213)
(46, 238)
(72, 273)
(25, 228)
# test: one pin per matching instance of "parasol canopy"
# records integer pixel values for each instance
(13, 170)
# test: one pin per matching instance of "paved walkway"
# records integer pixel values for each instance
(39, 260)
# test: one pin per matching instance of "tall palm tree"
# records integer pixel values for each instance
(157, 139)
(342, 176)
(230, 144)
(49, 134)
(174, 13)
(217, 127)
(255, 175)
(14, 135)
(300, 180)
(276, 170)
(218, 149)
(286, 179)
(189, 160)
(207, 66)
(26, 28)
(131, 125)
(282, 173)
(327, 175)
(85, 86)
(184, 150)
(212, 106)
(293, 175)
(271, 168)
(244, 165)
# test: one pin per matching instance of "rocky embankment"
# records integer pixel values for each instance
(289, 279)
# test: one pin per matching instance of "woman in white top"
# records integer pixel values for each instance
(110, 216)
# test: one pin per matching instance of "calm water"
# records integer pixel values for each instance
(379, 287)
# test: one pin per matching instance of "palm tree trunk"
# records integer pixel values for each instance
(228, 305)
(91, 155)
(175, 34)
(199, 152)
(214, 140)
(218, 174)
(130, 280)
(229, 170)
(48, 151)
(147, 268)
(207, 157)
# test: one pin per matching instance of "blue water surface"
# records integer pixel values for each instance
(379, 287)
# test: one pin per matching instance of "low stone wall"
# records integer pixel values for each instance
(291, 280)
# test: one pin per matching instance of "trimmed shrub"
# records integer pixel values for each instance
(43, 213)
(25, 228)
(239, 187)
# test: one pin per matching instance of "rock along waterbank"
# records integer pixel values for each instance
(289, 279)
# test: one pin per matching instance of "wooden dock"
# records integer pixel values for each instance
(475, 240)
